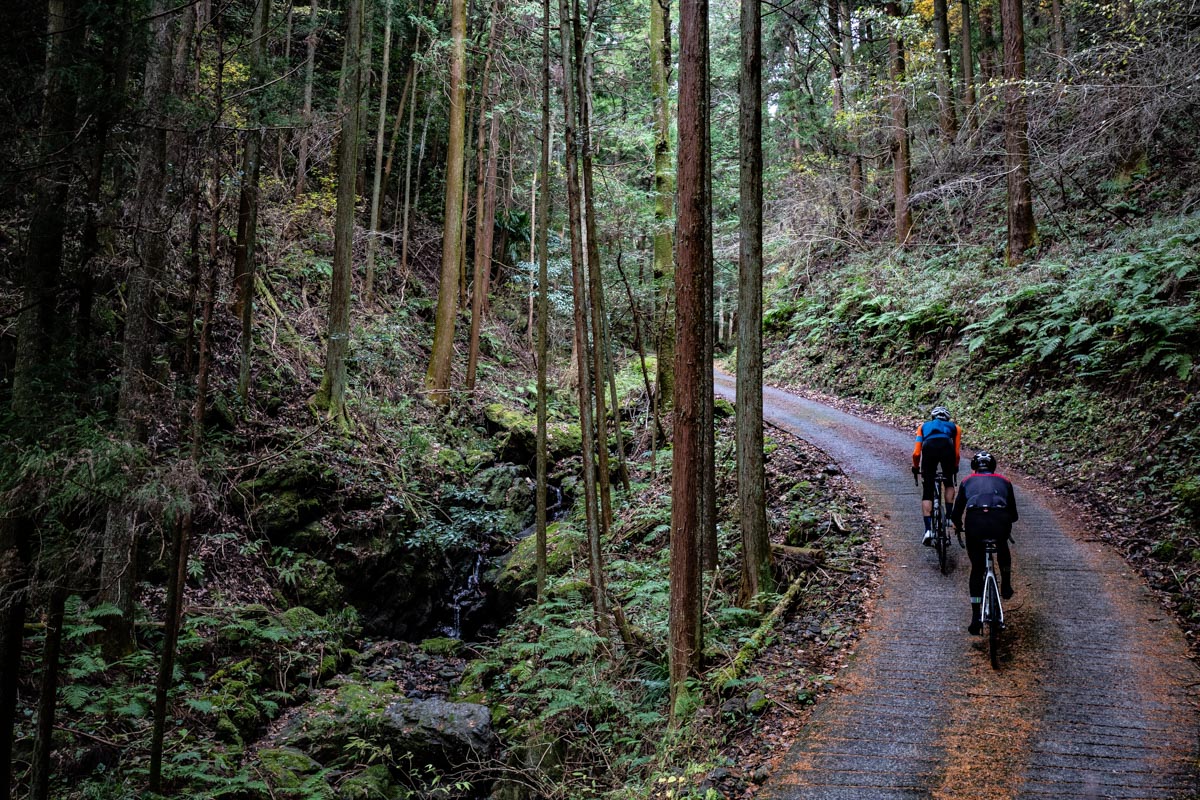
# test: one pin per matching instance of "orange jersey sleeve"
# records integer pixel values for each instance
(916, 454)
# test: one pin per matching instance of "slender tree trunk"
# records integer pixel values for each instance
(118, 572)
(945, 71)
(901, 160)
(15, 557)
(331, 397)
(690, 323)
(373, 234)
(485, 171)
(987, 40)
(967, 67)
(543, 227)
(1022, 232)
(306, 130)
(579, 287)
(664, 196)
(751, 469)
(247, 234)
(592, 254)
(1059, 35)
(858, 196)
(43, 746)
(437, 377)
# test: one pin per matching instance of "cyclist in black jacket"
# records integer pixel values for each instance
(990, 506)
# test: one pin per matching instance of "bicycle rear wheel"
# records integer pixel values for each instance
(995, 621)
(942, 542)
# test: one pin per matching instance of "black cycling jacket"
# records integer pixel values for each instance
(986, 492)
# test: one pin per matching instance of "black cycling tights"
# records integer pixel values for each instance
(976, 535)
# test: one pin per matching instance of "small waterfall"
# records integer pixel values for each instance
(465, 597)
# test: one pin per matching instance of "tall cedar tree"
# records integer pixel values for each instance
(901, 157)
(1022, 231)
(751, 471)
(437, 377)
(332, 395)
(135, 405)
(945, 71)
(690, 324)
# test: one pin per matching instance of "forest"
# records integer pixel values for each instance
(358, 428)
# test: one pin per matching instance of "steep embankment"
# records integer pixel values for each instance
(1078, 367)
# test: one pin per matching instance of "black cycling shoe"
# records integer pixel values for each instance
(1006, 590)
(975, 628)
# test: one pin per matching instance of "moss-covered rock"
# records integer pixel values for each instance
(289, 768)
(519, 568)
(288, 497)
(373, 783)
(311, 582)
(562, 439)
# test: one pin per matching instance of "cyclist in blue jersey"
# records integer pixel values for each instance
(990, 506)
(938, 442)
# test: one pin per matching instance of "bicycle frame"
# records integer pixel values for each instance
(992, 612)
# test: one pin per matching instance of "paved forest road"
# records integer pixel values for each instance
(1094, 699)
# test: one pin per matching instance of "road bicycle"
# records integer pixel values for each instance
(941, 536)
(992, 613)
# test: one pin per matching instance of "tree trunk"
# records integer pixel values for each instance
(247, 232)
(945, 71)
(1059, 36)
(307, 115)
(36, 320)
(409, 198)
(987, 40)
(901, 161)
(1022, 232)
(331, 397)
(15, 557)
(664, 191)
(43, 745)
(967, 67)
(437, 377)
(592, 253)
(543, 227)
(708, 476)
(485, 196)
(690, 323)
(136, 403)
(373, 234)
(567, 18)
(751, 469)
(858, 196)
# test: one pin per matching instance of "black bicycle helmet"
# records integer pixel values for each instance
(940, 412)
(983, 461)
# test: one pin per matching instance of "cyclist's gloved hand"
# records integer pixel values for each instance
(915, 472)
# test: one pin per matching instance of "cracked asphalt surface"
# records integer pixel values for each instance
(1095, 697)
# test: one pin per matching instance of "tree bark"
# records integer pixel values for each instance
(244, 267)
(543, 227)
(43, 745)
(690, 323)
(595, 287)
(967, 67)
(751, 469)
(1022, 232)
(485, 196)
(945, 71)
(437, 377)
(567, 16)
(901, 160)
(373, 234)
(987, 40)
(664, 190)
(331, 397)
(307, 115)
(858, 196)
(135, 405)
